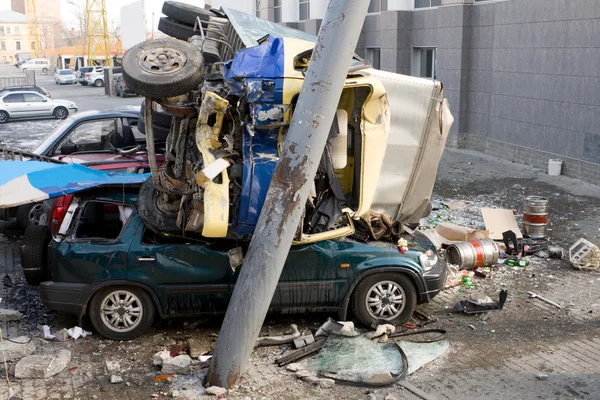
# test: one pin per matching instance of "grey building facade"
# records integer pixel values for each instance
(522, 76)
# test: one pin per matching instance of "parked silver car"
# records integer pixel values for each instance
(16, 105)
(65, 76)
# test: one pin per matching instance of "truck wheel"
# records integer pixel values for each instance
(163, 68)
(28, 215)
(185, 13)
(156, 215)
(61, 113)
(385, 296)
(121, 312)
(34, 253)
(175, 29)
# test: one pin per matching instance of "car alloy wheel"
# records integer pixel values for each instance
(61, 113)
(385, 300)
(98, 83)
(35, 213)
(121, 311)
(3, 116)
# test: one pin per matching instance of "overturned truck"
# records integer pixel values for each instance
(229, 92)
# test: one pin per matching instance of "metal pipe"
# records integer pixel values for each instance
(150, 142)
(290, 187)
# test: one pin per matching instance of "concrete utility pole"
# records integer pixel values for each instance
(286, 198)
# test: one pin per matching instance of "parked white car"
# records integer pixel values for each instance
(20, 105)
(37, 64)
(95, 77)
(65, 76)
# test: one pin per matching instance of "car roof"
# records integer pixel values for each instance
(128, 111)
(24, 87)
(19, 92)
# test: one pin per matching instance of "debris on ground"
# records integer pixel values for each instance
(278, 340)
(498, 220)
(303, 341)
(114, 379)
(216, 391)
(17, 348)
(112, 366)
(198, 348)
(584, 255)
(177, 365)
(42, 366)
(481, 305)
(385, 329)
(545, 300)
(160, 357)
(7, 315)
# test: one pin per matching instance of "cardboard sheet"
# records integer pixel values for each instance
(498, 220)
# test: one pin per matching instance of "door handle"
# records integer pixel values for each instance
(145, 259)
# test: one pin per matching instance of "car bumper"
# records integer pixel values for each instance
(435, 279)
(66, 297)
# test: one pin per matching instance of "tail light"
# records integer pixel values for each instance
(58, 212)
(87, 75)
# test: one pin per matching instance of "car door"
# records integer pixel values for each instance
(37, 105)
(310, 280)
(15, 105)
(189, 277)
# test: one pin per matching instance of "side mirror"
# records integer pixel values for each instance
(44, 100)
(68, 148)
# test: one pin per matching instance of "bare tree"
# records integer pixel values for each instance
(114, 30)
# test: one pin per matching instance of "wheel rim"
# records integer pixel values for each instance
(3, 117)
(385, 300)
(34, 214)
(60, 113)
(121, 311)
(162, 61)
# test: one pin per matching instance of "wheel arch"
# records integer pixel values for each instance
(412, 275)
(94, 289)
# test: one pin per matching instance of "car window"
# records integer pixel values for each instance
(91, 136)
(65, 72)
(102, 220)
(14, 98)
(32, 98)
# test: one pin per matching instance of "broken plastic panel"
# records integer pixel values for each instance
(359, 360)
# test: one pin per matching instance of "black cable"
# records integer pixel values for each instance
(441, 332)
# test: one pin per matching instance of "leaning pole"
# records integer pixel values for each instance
(289, 190)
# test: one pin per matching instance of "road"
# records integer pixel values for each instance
(25, 135)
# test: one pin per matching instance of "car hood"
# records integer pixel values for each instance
(23, 182)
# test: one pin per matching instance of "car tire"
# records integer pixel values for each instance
(4, 117)
(147, 77)
(28, 215)
(367, 292)
(44, 70)
(34, 253)
(98, 83)
(60, 113)
(154, 218)
(83, 83)
(185, 13)
(116, 297)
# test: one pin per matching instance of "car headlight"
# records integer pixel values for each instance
(428, 259)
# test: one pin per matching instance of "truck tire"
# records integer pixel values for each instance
(175, 29)
(147, 76)
(152, 215)
(34, 253)
(384, 289)
(28, 215)
(185, 13)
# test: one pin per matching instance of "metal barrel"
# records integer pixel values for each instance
(473, 254)
(535, 216)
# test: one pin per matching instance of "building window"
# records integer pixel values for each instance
(423, 63)
(277, 11)
(427, 3)
(18, 45)
(3, 46)
(374, 57)
(377, 6)
(304, 10)
(1, 30)
(16, 29)
(7, 30)
(257, 6)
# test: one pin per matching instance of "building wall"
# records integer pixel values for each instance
(8, 52)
